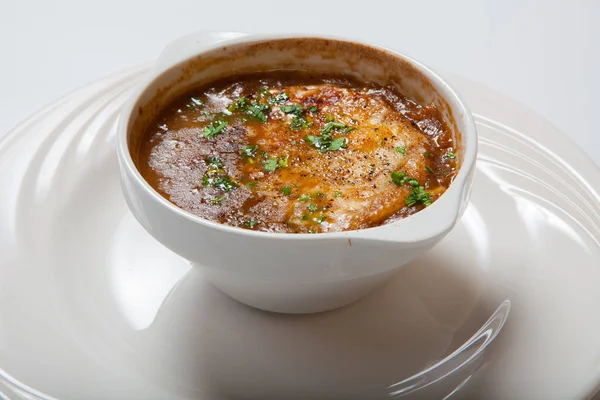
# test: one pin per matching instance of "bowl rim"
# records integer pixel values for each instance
(450, 200)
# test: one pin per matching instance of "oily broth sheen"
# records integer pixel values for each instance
(224, 180)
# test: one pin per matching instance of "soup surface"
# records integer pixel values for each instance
(294, 152)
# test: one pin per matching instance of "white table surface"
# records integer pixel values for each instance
(545, 54)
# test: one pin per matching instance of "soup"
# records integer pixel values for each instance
(294, 152)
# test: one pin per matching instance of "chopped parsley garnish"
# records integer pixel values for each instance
(264, 92)
(292, 109)
(283, 161)
(216, 176)
(413, 182)
(279, 98)
(326, 141)
(224, 183)
(250, 150)
(321, 219)
(336, 194)
(214, 128)
(304, 197)
(253, 108)
(313, 110)
(239, 104)
(399, 178)
(328, 117)
(258, 111)
(426, 155)
(270, 165)
(401, 150)
(312, 207)
(251, 183)
(250, 223)
(217, 200)
(338, 126)
(214, 162)
(450, 156)
(299, 122)
(418, 193)
(304, 217)
(286, 190)
(428, 168)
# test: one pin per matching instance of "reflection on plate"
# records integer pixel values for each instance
(92, 307)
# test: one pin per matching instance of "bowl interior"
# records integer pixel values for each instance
(367, 63)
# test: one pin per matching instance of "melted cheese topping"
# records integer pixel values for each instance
(270, 176)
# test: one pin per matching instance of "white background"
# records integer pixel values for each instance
(545, 54)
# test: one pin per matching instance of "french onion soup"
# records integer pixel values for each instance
(296, 152)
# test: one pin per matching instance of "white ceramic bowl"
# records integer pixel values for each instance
(292, 273)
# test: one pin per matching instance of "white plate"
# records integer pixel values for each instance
(91, 307)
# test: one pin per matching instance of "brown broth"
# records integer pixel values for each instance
(318, 159)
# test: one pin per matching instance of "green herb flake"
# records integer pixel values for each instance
(217, 200)
(292, 109)
(224, 183)
(319, 195)
(418, 195)
(213, 162)
(264, 92)
(214, 128)
(250, 150)
(304, 197)
(304, 217)
(338, 126)
(299, 123)
(312, 207)
(426, 155)
(254, 108)
(313, 110)
(239, 104)
(283, 161)
(251, 183)
(428, 168)
(399, 177)
(270, 165)
(401, 150)
(251, 223)
(328, 117)
(413, 182)
(258, 111)
(336, 194)
(326, 142)
(286, 190)
(321, 219)
(339, 143)
(450, 156)
(279, 98)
